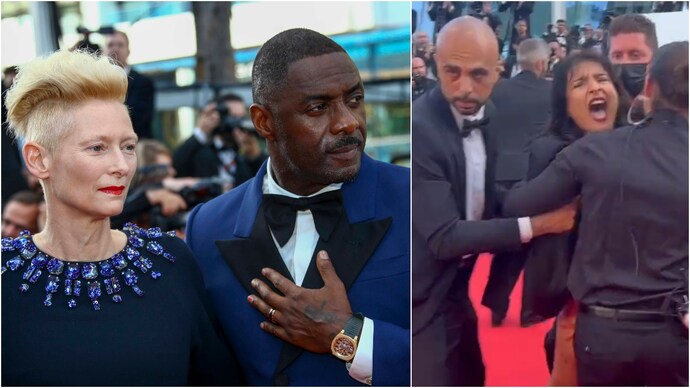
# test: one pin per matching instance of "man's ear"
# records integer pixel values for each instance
(37, 159)
(263, 121)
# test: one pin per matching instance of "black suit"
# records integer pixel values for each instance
(140, 97)
(443, 321)
(195, 159)
(522, 112)
(632, 247)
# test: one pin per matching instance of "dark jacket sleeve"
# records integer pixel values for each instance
(554, 187)
(435, 211)
(185, 155)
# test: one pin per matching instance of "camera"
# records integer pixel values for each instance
(204, 190)
(228, 123)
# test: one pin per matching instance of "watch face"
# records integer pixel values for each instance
(344, 347)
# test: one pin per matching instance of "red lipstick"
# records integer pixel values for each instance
(112, 190)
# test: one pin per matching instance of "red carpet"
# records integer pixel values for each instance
(513, 356)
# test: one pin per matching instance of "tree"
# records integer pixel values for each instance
(215, 59)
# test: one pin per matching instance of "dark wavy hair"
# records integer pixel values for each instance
(562, 125)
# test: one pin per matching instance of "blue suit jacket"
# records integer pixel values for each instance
(370, 251)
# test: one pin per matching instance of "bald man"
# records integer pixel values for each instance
(453, 203)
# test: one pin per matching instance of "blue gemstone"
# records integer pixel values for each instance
(169, 256)
(132, 254)
(171, 233)
(119, 261)
(55, 266)
(138, 291)
(96, 305)
(136, 241)
(112, 285)
(130, 277)
(7, 244)
(24, 287)
(140, 264)
(48, 300)
(68, 287)
(89, 271)
(77, 288)
(141, 233)
(3, 269)
(72, 303)
(53, 284)
(29, 271)
(35, 276)
(155, 232)
(107, 268)
(72, 271)
(147, 262)
(40, 260)
(20, 242)
(29, 250)
(94, 289)
(154, 248)
(117, 298)
(155, 274)
(25, 233)
(129, 225)
(15, 263)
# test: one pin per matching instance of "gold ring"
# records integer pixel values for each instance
(270, 314)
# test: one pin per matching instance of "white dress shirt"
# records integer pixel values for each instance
(475, 172)
(297, 254)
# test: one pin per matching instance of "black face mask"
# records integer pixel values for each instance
(632, 76)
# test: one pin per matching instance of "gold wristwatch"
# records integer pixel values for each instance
(344, 345)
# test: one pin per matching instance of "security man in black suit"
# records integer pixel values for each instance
(629, 271)
(452, 201)
(522, 113)
(140, 90)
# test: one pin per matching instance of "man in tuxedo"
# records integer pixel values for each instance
(452, 200)
(140, 90)
(522, 113)
(307, 263)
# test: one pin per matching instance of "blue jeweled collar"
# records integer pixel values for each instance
(136, 252)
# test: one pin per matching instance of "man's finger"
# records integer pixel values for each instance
(325, 266)
(263, 307)
(267, 294)
(283, 284)
(276, 330)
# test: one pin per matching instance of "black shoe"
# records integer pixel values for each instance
(497, 318)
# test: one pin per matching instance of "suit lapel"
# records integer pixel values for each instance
(349, 248)
(246, 257)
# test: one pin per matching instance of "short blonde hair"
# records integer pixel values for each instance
(47, 89)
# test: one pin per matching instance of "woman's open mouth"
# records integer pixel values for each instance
(597, 109)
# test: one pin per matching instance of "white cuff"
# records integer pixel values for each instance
(200, 135)
(362, 366)
(525, 226)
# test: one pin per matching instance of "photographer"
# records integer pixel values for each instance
(420, 82)
(212, 150)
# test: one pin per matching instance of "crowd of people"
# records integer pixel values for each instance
(573, 167)
(223, 152)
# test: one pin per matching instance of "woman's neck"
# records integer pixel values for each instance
(78, 238)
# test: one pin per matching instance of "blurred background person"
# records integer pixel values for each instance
(421, 83)
(21, 213)
(441, 12)
(140, 90)
(522, 112)
(212, 150)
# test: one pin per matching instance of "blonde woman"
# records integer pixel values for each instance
(83, 304)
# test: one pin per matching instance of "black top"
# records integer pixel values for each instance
(168, 336)
(632, 248)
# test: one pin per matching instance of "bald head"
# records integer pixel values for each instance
(467, 60)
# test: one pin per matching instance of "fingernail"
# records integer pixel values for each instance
(263, 325)
(264, 271)
(323, 255)
(250, 299)
(254, 282)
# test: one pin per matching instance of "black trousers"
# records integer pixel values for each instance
(630, 353)
(504, 273)
(447, 352)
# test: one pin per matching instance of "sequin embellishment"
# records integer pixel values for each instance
(104, 277)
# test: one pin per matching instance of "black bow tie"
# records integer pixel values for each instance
(281, 213)
(469, 125)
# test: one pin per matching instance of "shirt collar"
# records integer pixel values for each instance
(270, 186)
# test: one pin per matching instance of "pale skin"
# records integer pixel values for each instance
(90, 157)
